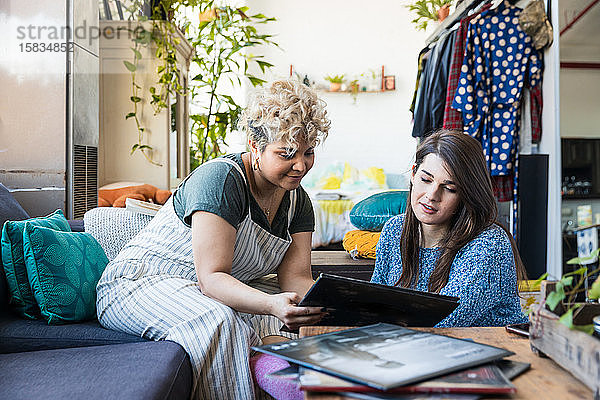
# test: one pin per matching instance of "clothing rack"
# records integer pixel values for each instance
(452, 19)
(456, 16)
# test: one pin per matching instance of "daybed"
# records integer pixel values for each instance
(82, 360)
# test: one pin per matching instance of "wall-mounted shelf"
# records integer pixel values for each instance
(350, 92)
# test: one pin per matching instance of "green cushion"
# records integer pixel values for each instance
(63, 270)
(373, 212)
(20, 294)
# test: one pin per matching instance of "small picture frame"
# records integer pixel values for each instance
(389, 82)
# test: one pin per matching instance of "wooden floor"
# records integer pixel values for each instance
(340, 263)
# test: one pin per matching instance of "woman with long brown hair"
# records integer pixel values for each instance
(448, 241)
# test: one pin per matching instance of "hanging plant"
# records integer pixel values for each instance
(429, 10)
(221, 43)
(162, 35)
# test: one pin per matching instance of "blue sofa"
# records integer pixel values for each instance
(82, 360)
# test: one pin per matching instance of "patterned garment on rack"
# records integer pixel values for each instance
(452, 117)
(499, 61)
(503, 187)
(537, 104)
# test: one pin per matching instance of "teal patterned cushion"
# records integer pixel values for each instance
(63, 270)
(20, 295)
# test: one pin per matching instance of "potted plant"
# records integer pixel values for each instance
(335, 82)
(562, 328)
(354, 87)
(429, 10)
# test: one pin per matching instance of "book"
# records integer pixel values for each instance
(386, 396)
(384, 356)
(485, 379)
(395, 396)
(512, 369)
(354, 302)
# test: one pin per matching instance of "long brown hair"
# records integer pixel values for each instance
(476, 210)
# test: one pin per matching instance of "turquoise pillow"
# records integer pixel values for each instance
(63, 270)
(373, 212)
(20, 295)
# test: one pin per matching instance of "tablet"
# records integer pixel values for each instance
(354, 302)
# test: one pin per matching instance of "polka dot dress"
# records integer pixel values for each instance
(499, 61)
(482, 276)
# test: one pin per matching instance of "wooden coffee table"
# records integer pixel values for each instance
(340, 263)
(545, 380)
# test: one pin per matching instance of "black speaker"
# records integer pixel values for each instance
(532, 238)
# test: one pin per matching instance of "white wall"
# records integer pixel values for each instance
(350, 37)
(580, 103)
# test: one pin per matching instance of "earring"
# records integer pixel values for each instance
(255, 165)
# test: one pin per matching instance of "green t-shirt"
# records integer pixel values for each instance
(218, 188)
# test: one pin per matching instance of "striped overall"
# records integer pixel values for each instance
(150, 289)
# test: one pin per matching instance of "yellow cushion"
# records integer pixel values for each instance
(361, 243)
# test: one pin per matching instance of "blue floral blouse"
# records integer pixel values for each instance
(482, 275)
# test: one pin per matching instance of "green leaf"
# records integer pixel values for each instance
(554, 298)
(197, 77)
(135, 99)
(137, 54)
(131, 67)
(131, 114)
(567, 318)
(255, 81)
(263, 65)
(134, 148)
(565, 281)
(539, 280)
(594, 291)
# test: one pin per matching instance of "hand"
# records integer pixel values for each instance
(284, 307)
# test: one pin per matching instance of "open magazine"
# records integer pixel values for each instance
(384, 356)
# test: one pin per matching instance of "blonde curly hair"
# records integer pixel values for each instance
(285, 110)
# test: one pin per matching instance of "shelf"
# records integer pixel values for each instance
(349, 92)
(581, 197)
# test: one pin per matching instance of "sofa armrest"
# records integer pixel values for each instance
(76, 225)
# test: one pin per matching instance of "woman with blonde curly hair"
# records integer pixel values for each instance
(192, 275)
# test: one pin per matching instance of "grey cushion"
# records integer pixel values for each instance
(18, 334)
(11, 210)
(150, 370)
(113, 227)
(76, 225)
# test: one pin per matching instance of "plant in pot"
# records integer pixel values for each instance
(562, 325)
(335, 82)
(222, 39)
(429, 10)
(354, 88)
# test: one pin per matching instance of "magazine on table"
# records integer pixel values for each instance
(485, 379)
(354, 302)
(384, 356)
(395, 396)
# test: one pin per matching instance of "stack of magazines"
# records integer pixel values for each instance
(386, 361)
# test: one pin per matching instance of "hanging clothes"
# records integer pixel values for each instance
(499, 61)
(422, 60)
(431, 96)
(536, 107)
(452, 117)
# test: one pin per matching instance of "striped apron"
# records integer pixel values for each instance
(150, 289)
